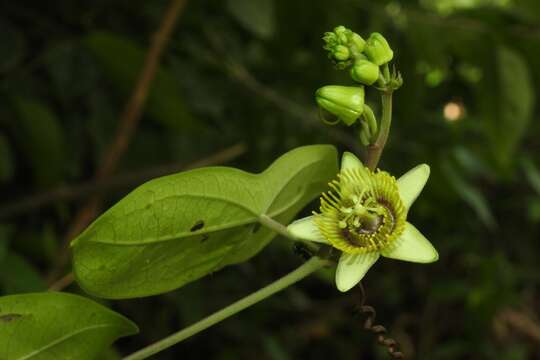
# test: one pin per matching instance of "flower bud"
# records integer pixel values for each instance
(345, 102)
(342, 34)
(356, 43)
(341, 53)
(364, 72)
(343, 46)
(377, 49)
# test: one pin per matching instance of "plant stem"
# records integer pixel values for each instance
(282, 230)
(374, 150)
(276, 226)
(301, 272)
(371, 120)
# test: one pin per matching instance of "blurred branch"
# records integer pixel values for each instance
(126, 128)
(133, 109)
(306, 115)
(62, 283)
(220, 157)
(461, 22)
(511, 321)
(101, 186)
(238, 72)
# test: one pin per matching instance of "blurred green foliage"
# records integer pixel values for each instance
(244, 71)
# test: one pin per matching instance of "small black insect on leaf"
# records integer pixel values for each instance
(197, 226)
(205, 237)
(9, 317)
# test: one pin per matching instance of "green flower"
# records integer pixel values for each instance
(365, 216)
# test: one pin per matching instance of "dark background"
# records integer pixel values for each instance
(241, 74)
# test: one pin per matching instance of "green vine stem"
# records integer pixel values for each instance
(301, 272)
(282, 230)
(374, 150)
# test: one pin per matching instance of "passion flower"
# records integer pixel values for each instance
(365, 215)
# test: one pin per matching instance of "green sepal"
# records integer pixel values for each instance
(412, 246)
(345, 102)
(411, 183)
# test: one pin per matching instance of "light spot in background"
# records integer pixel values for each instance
(453, 111)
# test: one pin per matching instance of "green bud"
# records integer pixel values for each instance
(377, 49)
(341, 53)
(345, 102)
(342, 34)
(343, 46)
(330, 41)
(356, 43)
(364, 72)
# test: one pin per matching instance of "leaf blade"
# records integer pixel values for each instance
(51, 326)
(138, 248)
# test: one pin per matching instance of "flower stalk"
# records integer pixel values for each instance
(374, 150)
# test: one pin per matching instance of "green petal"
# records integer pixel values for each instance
(411, 184)
(412, 246)
(352, 268)
(350, 161)
(306, 229)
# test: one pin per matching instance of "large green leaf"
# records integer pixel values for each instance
(178, 228)
(122, 59)
(471, 195)
(532, 174)
(53, 326)
(509, 114)
(18, 275)
(256, 16)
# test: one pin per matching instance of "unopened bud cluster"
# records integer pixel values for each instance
(368, 62)
(343, 46)
(347, 48)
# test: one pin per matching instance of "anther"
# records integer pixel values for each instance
(346, 210)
